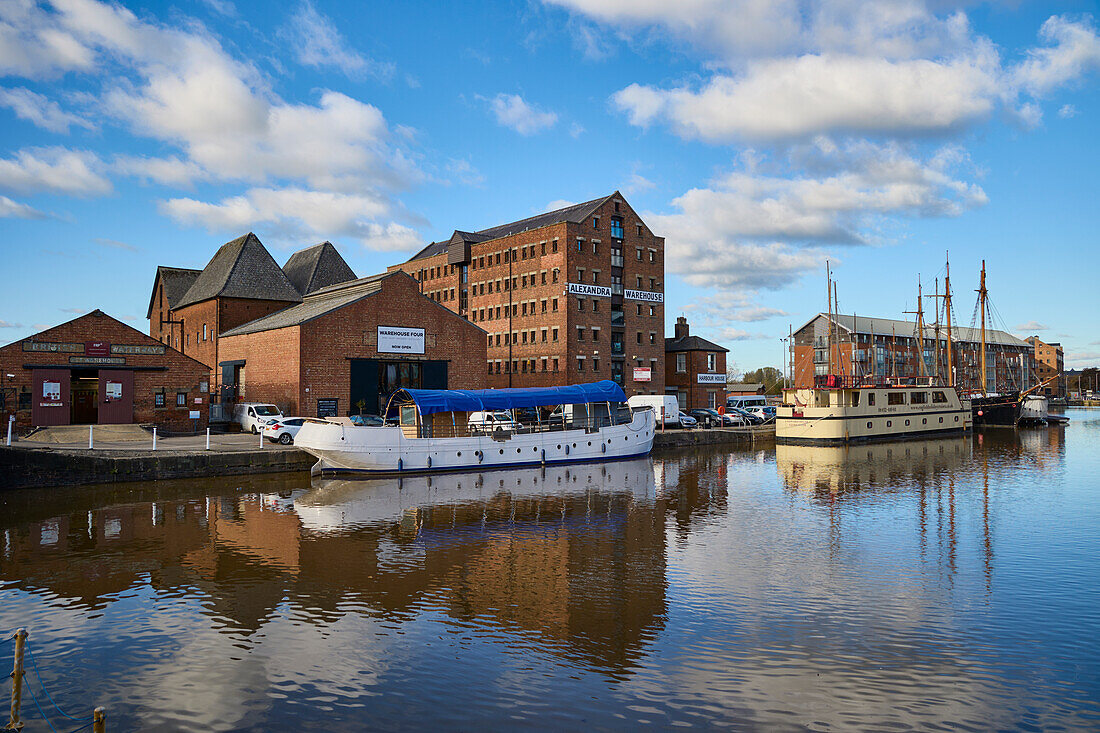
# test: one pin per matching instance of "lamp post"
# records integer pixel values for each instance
(783, 362)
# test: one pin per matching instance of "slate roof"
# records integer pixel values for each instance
(691, 343)
(744, 386)
(317, 267)
(242, 268)
(176, 281)
(888, 326)
(577, 213)
(315, 305)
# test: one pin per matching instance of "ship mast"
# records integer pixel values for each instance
(947, 317)
(829, 300)
(936, 330)
(922, 367)
(983, 294)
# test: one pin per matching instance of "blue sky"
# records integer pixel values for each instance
(760, 137)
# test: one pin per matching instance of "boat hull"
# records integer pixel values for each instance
(342, 449)
(1002, 411)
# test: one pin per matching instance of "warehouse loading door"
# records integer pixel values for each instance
(364, 387)
(50, 398)
(116, 397)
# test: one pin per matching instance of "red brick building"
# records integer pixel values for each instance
(695, 369)
(346, 347)
(97, 370)
(1049, 365)
(572, 295)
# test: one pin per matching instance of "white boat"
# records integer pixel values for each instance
(1035, 409)
(573, 424)
(843, 411)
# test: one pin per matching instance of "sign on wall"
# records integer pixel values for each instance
(597, 291)
(644, 295)
(643, 374)
(97, 348)
(51, 391)
(327, 407)
(711, 379)
(114, 390)
(394, 340)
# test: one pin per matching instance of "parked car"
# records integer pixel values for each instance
(745, 415)
(708, 417)
(734, 419)
(252, 415)
(767, 412)
(490, 422)
(283, 429)
(665, 405)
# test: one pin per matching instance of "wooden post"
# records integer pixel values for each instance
(99, 720)
(17, 681)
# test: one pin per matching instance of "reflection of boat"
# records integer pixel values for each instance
(339, 504)
(836, 468)
(436, 431)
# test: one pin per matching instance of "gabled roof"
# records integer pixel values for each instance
(176, 281)
(317, 267)
(242, 268)
(890, 326)
(576, 213)
(691, 343)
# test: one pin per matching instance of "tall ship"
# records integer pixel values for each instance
(430, 431)
(849, 408)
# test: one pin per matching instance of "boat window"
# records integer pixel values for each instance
(408, 415)
(895, 398)
(855, 399)
(870, 399)
(918, 398)
(939, 398)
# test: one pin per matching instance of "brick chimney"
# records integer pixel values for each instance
(681, 327)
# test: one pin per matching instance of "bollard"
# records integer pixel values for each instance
(17, 681)
(261, 431)
(90, 444)
(99, 720)
(208, 439)
(11, 421)
(154, 437)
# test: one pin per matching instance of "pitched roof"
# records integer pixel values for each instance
(887, 326)
(691, 343)
(176, 281)
(315, 305)
(242, 268)
(744, 386)
(317, 267)
(576, 213)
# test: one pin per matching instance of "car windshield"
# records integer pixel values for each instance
(501, 416)
(267, 410)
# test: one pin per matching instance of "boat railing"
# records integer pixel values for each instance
(460, 427)
(851, 381)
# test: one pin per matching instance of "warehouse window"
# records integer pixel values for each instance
(639, 233)
(580, 304)
(638, 254)
(543, 247)
(555, 363)
(595, 222)
(595, 364)
(555, 305)
(595, 306)
(181, 399)
(555, 338)
(204, 332)
(158, 399)
(681, 363)
(580, 333)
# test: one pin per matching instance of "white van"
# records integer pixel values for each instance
(747, 402)
(251, 415)
(665, 405)
(490, 422)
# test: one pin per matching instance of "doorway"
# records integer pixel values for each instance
(85, 397)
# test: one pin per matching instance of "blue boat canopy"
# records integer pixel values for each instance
(428, 401)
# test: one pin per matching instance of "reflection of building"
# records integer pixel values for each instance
(1049, 364)
(884, 348)
(695, 369)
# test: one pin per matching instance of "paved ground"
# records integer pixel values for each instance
(234, 442)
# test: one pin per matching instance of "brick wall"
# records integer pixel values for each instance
(699, 395)
(180, 374)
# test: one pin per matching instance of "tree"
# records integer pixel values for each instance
(770, 377)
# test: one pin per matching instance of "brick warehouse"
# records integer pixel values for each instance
(307, 336)
(572, 295)
(97, 370)
(346, 347)
(695, 369)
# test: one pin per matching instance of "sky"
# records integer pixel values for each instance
(761, 138)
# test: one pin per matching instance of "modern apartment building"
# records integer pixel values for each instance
(1049, 364)
(572, 295)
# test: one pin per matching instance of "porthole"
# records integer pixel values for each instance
(868, 424)
(889, 423)
(956, 418)
(535, 448)
(609, 441)
(590, 444)
(941, 419)
(906, 423)
(625, 438)
(924, 421)
(459, 454)
(559, 447)
(502, 451)
(518, 450)
(575, 445)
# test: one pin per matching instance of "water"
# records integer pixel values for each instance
(931, 584)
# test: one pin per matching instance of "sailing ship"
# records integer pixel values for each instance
(841, 408)
(447, 430)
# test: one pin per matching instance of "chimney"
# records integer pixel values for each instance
(681, 327)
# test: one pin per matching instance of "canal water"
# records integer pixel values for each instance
(928, 584)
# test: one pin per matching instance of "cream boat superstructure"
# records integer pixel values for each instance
(830, 415)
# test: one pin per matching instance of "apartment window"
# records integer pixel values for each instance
(543, 244)
(616, 256)
(595, 334)
(595, 222)
(580, 304)
(524, 309)
(652, 310)
(507, 284)
(524, 281)
(595, 248)
(639, 337)
(617, 284)
(490, 339)
(580, 363)
(523, 253)
(532, 335)
(595, 277)
(543, 337)
(652, 255)
(543, 273)
(543, 301)
(681, 363)
(505, 338)
(616, 206)
(638, 254)
(639, 282)
(555, 274)
(580, 245)
(652, 337)
(490, 367)
(544, 362)
(181, 399)
(616, 228)
(595, 364)
(595, 306)
(158, 399)
(515, 366)
(555, 305)
(554, 248)
(498, 312)
(580, 333)
(712, 361)
(639, 232)
(555, 338)
(555, 361)
(515, 309)
(506, 257)
(580, 274)
(204, 332)
(524, 337)
(652, 283)
(515, 280)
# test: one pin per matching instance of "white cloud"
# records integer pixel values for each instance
(637, 183)
(16, 210)
(513, 111)
(294, 213)
(1067, 111)
(464, 172)
(318, 43)
(1075, 50)
(115, 244)
(1031, 326)
(33, 46)
(7, 324)
(40, 110)
(53, 170)
(557, 204)
(170, 171)
(576, 129)
(812, 94)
